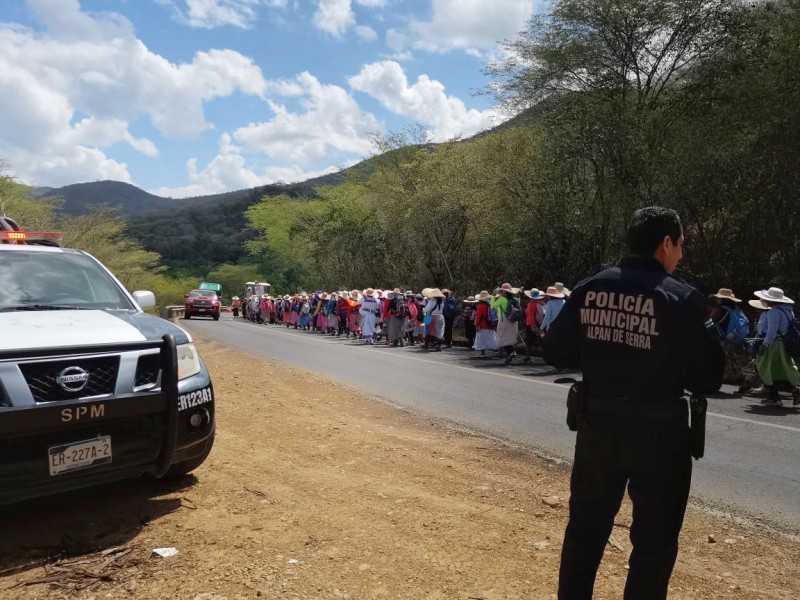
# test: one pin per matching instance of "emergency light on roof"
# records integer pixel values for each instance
(22, 237)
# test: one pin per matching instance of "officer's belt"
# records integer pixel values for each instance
(637, 407)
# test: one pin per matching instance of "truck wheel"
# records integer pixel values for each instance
(216, 317)
(187, 316)
(180, 469)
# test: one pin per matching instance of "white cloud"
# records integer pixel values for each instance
(464, 25)
(95, 67)
(425, 101)
(334, 16)
(366, 33)
(209, 14)
(337, 17)
(228, 171)
(331, 121)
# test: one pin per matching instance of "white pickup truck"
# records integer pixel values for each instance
(92, 389)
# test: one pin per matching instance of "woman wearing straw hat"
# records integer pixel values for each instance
(235, 304)
(468, 316)
(775, 367)
(534, 316)
(434, 330)
(353, 316)
(554, 302)
(370, 311)
(725, 315)
(484, 329)
(507, 329)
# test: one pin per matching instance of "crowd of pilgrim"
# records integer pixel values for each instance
(509, 318)
(494, 322)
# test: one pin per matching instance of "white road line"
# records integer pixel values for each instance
(536, 381)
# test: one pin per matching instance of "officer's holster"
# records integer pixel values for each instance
(576, 403)
(698, 406)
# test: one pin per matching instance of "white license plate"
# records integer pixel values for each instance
(202, 310)
(80, 455)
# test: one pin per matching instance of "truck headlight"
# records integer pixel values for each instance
(188, 361)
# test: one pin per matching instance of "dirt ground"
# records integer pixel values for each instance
(315, 491)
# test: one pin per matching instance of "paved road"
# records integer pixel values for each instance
(751, 464)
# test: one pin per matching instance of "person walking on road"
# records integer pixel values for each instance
(449, 312)
(775, 366)
(484, 327)
(434, 327)
(554, 302)
(468, 317)
(640, 337)
(534, 316)
(507, 326)
(370, 312)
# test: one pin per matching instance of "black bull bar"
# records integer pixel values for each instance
(45, 423)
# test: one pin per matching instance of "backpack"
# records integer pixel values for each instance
(514, 312)
(738, 326)
(400, 309)
(791, 338)
(493, 319)
(450, 308)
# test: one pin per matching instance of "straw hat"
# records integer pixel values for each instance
(506, 288)
(235, 298)
(773, 294)
(426, 292)
(324, 296)
(562, 289)
(725, 294)
(397, 291)
(369, 292)
(552, 292)
(446, 291)
(533, 294)
(435, 293)
(759, 304)
(409, 293)
(484, 296)
(354, 294)
(470, 300)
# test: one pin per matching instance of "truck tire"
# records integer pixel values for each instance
(187, 316)
(216, 317)
(181, 469)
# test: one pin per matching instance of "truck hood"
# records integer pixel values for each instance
(24, 330)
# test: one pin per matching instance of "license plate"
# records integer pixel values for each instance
(79, 455)
(202, 310)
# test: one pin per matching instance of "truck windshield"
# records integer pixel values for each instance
(52, 280)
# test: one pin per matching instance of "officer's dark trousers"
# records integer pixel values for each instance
(653, 459)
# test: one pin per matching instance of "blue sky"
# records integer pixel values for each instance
(194, 97)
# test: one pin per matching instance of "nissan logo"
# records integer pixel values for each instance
(72, 379)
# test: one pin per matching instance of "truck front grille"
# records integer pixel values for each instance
(42, 378)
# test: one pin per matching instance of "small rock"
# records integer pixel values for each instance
(293, 561)
(541, 545)
(712, 539)
(552, 501)
(730, 541)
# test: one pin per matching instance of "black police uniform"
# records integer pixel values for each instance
(640, 338)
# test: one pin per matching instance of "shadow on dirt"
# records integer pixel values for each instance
(36, 532)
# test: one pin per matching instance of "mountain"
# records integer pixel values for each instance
(133, 201)
(196, 234)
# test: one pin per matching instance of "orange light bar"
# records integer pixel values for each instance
(26, 236)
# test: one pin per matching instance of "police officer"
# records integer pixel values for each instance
(640, 337)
